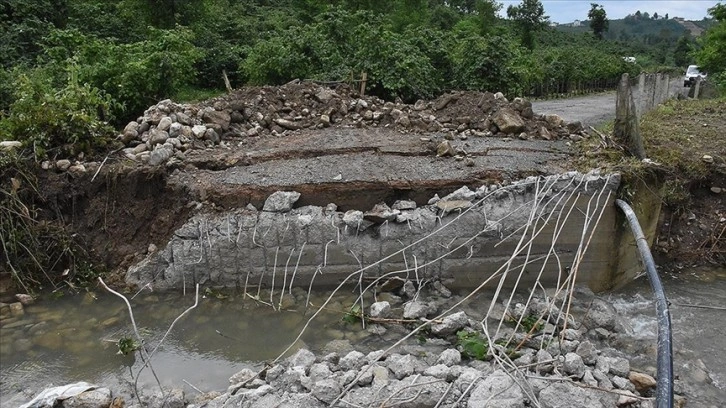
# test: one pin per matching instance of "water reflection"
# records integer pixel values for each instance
(75, 338)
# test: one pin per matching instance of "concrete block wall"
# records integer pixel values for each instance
(651, 90)
(245, 248)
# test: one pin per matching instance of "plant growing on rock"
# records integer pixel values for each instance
(472, 344)
(127, 345)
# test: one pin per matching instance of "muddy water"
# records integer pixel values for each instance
(75, 338)
(698, 311)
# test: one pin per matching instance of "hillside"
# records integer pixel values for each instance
(632, 29)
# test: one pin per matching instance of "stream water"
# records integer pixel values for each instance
(697, 300)
(74, 338)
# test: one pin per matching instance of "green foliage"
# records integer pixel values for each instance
(683, 48)
(598, 20)
(529, 323)
(712, 55)
(486, 14)
(140, 51)
(127, 345)
(472, 345)
(6, 90)
(354, 315)
(64, 122)
(529, 17)
(339, 44)
(482, 63)
(23, 23)
(136, 74)
(397, 67)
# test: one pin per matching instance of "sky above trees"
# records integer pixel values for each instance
(566, 11)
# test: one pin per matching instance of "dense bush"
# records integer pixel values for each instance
(135, 75)
(712, 54)
(60, 122)
(136, 52)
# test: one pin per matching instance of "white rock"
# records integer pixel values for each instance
(449, 357)
(380, 310)
(281, 201)
(415, 310)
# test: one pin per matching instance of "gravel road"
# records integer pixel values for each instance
(591, 110)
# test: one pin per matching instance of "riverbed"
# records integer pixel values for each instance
(74, 338)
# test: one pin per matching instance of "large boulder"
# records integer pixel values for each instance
(220, 118)
(281, 201)
(508, 121)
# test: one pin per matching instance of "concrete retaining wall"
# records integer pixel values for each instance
(246, 248)
(653, 89)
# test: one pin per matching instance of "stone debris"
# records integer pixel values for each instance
(276, 110)
(436, 373)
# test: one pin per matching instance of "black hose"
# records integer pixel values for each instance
(664, 389)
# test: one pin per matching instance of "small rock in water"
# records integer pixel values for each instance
(415, 310)
(16, 309)
(25, 299)
(380, 310)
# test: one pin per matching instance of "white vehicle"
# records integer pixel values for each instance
(692, 73)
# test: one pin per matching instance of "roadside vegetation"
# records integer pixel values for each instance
(105, 62)
(684, 146)
(73, 70)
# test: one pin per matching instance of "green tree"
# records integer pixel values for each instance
(23, 24)
(487, 11)
(712, 55)
(598, 20)
(529, 17)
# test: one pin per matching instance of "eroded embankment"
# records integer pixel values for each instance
(544, 225)
(331, 145)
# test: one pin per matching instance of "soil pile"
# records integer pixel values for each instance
(166, 130)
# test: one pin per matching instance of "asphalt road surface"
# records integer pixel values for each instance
(591, 110)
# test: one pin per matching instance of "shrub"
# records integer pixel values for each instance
(136, 75)
(63, 121)
(484, 63)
